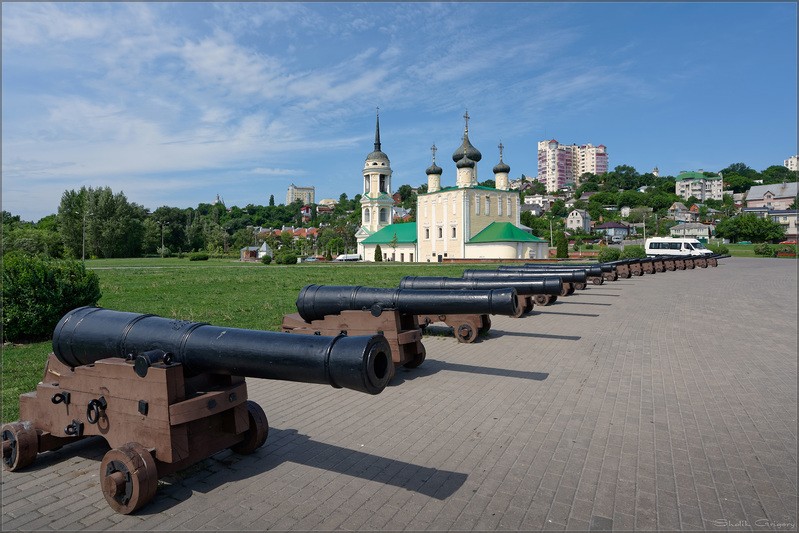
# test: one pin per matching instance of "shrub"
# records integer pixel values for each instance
(378, 253)
(266, 259)
(38, 292)
(633, 251)
(718, 249)
(286, 258)
(328, 256)
(607, 253)
(765, 249)
(198, 256)
(589, 246)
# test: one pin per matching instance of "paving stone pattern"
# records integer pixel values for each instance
(657, 403)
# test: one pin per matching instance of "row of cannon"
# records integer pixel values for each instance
(167, 393)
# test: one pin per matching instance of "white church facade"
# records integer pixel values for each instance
(465, 221)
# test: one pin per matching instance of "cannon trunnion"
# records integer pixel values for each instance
(166, 394)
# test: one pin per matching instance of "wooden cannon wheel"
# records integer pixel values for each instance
(465, 333)
(580, 286)
(542, 299)
(529, 305)
(20, 445)
(129, 477)
(257, 433)
(417, 360)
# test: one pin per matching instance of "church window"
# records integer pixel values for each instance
(366, 184)
(499, 206)
(440, 232)
(383, 183)
(509, 208)
(383, 215)
(476, 204)
(427, 233)
(454, 232)
(488, 205)
(367, 215)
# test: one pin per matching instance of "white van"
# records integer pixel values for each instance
(348, 257)
(675, 246)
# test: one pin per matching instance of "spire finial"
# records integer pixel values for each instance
(466, 118)
(501, 147)
(434, 150)
(377, 129)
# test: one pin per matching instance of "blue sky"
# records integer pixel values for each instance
(175, 103)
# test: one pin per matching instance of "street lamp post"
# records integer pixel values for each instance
(83, 250)
(162, 237)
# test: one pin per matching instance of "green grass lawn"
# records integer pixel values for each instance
(222, 292)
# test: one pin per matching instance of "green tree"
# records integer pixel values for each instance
(562, 245)
(271, 200)
(378, 254)
(749, 227)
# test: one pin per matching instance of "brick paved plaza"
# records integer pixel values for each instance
(664, 402)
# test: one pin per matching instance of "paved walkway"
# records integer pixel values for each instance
(664, 402)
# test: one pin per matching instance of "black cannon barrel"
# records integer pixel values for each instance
(606, 267)
(567, 276)
(361, 363)
(593, 270)
(318, 301)
(547, 285)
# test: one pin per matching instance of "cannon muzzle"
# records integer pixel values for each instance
(88, 334)
(567, 276)
(317, 301)
(546, 285)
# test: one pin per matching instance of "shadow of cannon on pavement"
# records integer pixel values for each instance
(288, 445)
(433, 366)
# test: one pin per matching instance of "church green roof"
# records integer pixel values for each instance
(503, 232)
(406, 233)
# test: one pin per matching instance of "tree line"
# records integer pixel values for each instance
(98, 223)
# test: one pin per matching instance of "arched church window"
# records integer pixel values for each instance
(383, 215)
(383, 183)
(367, 215)
(499, 206)
(367, 184)
(476, 204)
(488, 205)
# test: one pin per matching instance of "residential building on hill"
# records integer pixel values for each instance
(792, 163)
(699, 186)
(774, 196)
(693, 230)
(562, 165)
(294, 193)
(579, 220)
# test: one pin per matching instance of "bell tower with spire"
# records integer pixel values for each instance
(377, 200)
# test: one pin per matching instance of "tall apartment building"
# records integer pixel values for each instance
(699, 186)
(306, 194)
(560, 165)
(792, 163)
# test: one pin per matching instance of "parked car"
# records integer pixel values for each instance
(791, 241)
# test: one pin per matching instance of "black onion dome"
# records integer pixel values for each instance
(466, 148)
(465, 162)
(501, 167)
(433, 169)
